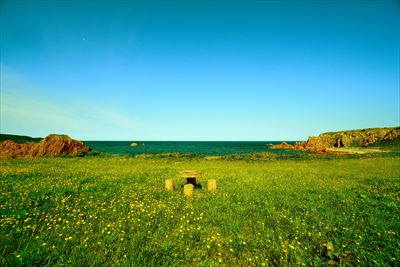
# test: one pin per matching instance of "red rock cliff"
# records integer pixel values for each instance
(51, 145)
(363, 137)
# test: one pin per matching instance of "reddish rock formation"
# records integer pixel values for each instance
(11, 149)
(58, 145)
(282, 145)
(313, 144)
(342, 141)
(395, 133)
(51, 145)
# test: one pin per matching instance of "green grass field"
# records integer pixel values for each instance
(114, 211)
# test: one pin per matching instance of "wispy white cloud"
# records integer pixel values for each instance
(25, 109)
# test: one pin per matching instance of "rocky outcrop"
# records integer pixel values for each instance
(282, 145)
(51, 145)
(342, 141)
(391, 135)
(364, 138)
(11, 149)
(314, 144)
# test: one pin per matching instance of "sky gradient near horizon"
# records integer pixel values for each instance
(198, 70)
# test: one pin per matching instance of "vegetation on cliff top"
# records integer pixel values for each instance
(361, 137)
(363, 130)
(59, 137)
(19, 138)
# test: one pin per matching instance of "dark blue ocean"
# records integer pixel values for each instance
(215, 148)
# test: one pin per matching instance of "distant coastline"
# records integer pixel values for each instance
(340, 142)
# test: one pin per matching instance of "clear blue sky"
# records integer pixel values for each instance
(198, 70)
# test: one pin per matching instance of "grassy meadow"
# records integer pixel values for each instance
(114, 211)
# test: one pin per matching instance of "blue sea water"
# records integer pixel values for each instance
(215, 148)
